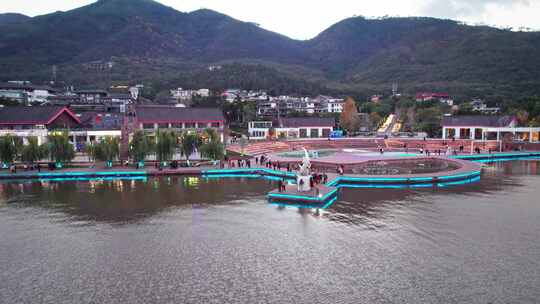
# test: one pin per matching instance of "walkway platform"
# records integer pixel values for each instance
(320, 196)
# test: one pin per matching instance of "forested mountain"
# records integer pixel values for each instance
(10, 18)
(156, 44)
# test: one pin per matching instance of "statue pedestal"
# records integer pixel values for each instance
(303, 183)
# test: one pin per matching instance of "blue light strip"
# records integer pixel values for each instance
(217, 176)
(330, 203)
(373, 186)
(250, 170)
(91, 174)
(301, 197)
(498, 155)
(494, 160)
(305, 206)
(62, 179)
(461, 182)
(374, 179)
(464, 175)
(405, 186)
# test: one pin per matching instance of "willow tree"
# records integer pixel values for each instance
(243, 142)
(211, 147)
(60, 150)
(90, 150)
(32, 151)
(165, 145)
(140, 146)
(189, 143)
(8, 149)
(108, 150)
(348, 119)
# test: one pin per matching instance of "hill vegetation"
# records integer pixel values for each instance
(155, 44)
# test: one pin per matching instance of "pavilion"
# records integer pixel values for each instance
(482, 127)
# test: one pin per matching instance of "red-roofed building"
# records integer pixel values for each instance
(39, 121)
(442, 97)
(36, 121)
(153, 118)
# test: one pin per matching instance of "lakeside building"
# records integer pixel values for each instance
(40, 121)
(19, 96)
(292, 128)
(91, 96)
(231, 95)
(25, 92)
(479, 105)
(376, 98)
(480, 127)
(441, 97)
(181, 95)
(96, 100)
(153, 118)
(36, 122)
(286, 105)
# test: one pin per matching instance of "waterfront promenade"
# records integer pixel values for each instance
(465, 160)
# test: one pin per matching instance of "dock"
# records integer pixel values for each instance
(320, 196)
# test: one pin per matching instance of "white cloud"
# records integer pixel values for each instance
(466, 8)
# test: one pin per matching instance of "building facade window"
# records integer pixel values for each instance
(326, 132)
(163, 126)
(190, 125)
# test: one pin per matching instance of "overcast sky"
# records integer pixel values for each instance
(303, 19)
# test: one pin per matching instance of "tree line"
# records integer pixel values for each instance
(163, 145)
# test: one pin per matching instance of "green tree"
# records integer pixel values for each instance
(374, 119)
(212, 148)
(522, 117)
(249, 111)
(429, 120)
(108, 150)
(190, 142)
(90, 150)
(466, 109)
(8, 149)
(32, 152)
(243, 142)
(165, 145)
(140, 146)
(349, 119)
(59, 148)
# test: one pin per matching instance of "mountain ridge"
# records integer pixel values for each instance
(10, 18)
(354, 55)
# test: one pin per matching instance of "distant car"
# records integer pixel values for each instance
(336, 134)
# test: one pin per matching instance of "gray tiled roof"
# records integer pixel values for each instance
(477, 121)
(28, 115)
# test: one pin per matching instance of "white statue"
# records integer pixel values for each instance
(303, 177)
(306, 164)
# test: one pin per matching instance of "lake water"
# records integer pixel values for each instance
(191, 240)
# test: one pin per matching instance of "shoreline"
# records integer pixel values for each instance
(469, 164)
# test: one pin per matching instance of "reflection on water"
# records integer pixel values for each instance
(127, 200)
(197, 240)
(131, 199)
